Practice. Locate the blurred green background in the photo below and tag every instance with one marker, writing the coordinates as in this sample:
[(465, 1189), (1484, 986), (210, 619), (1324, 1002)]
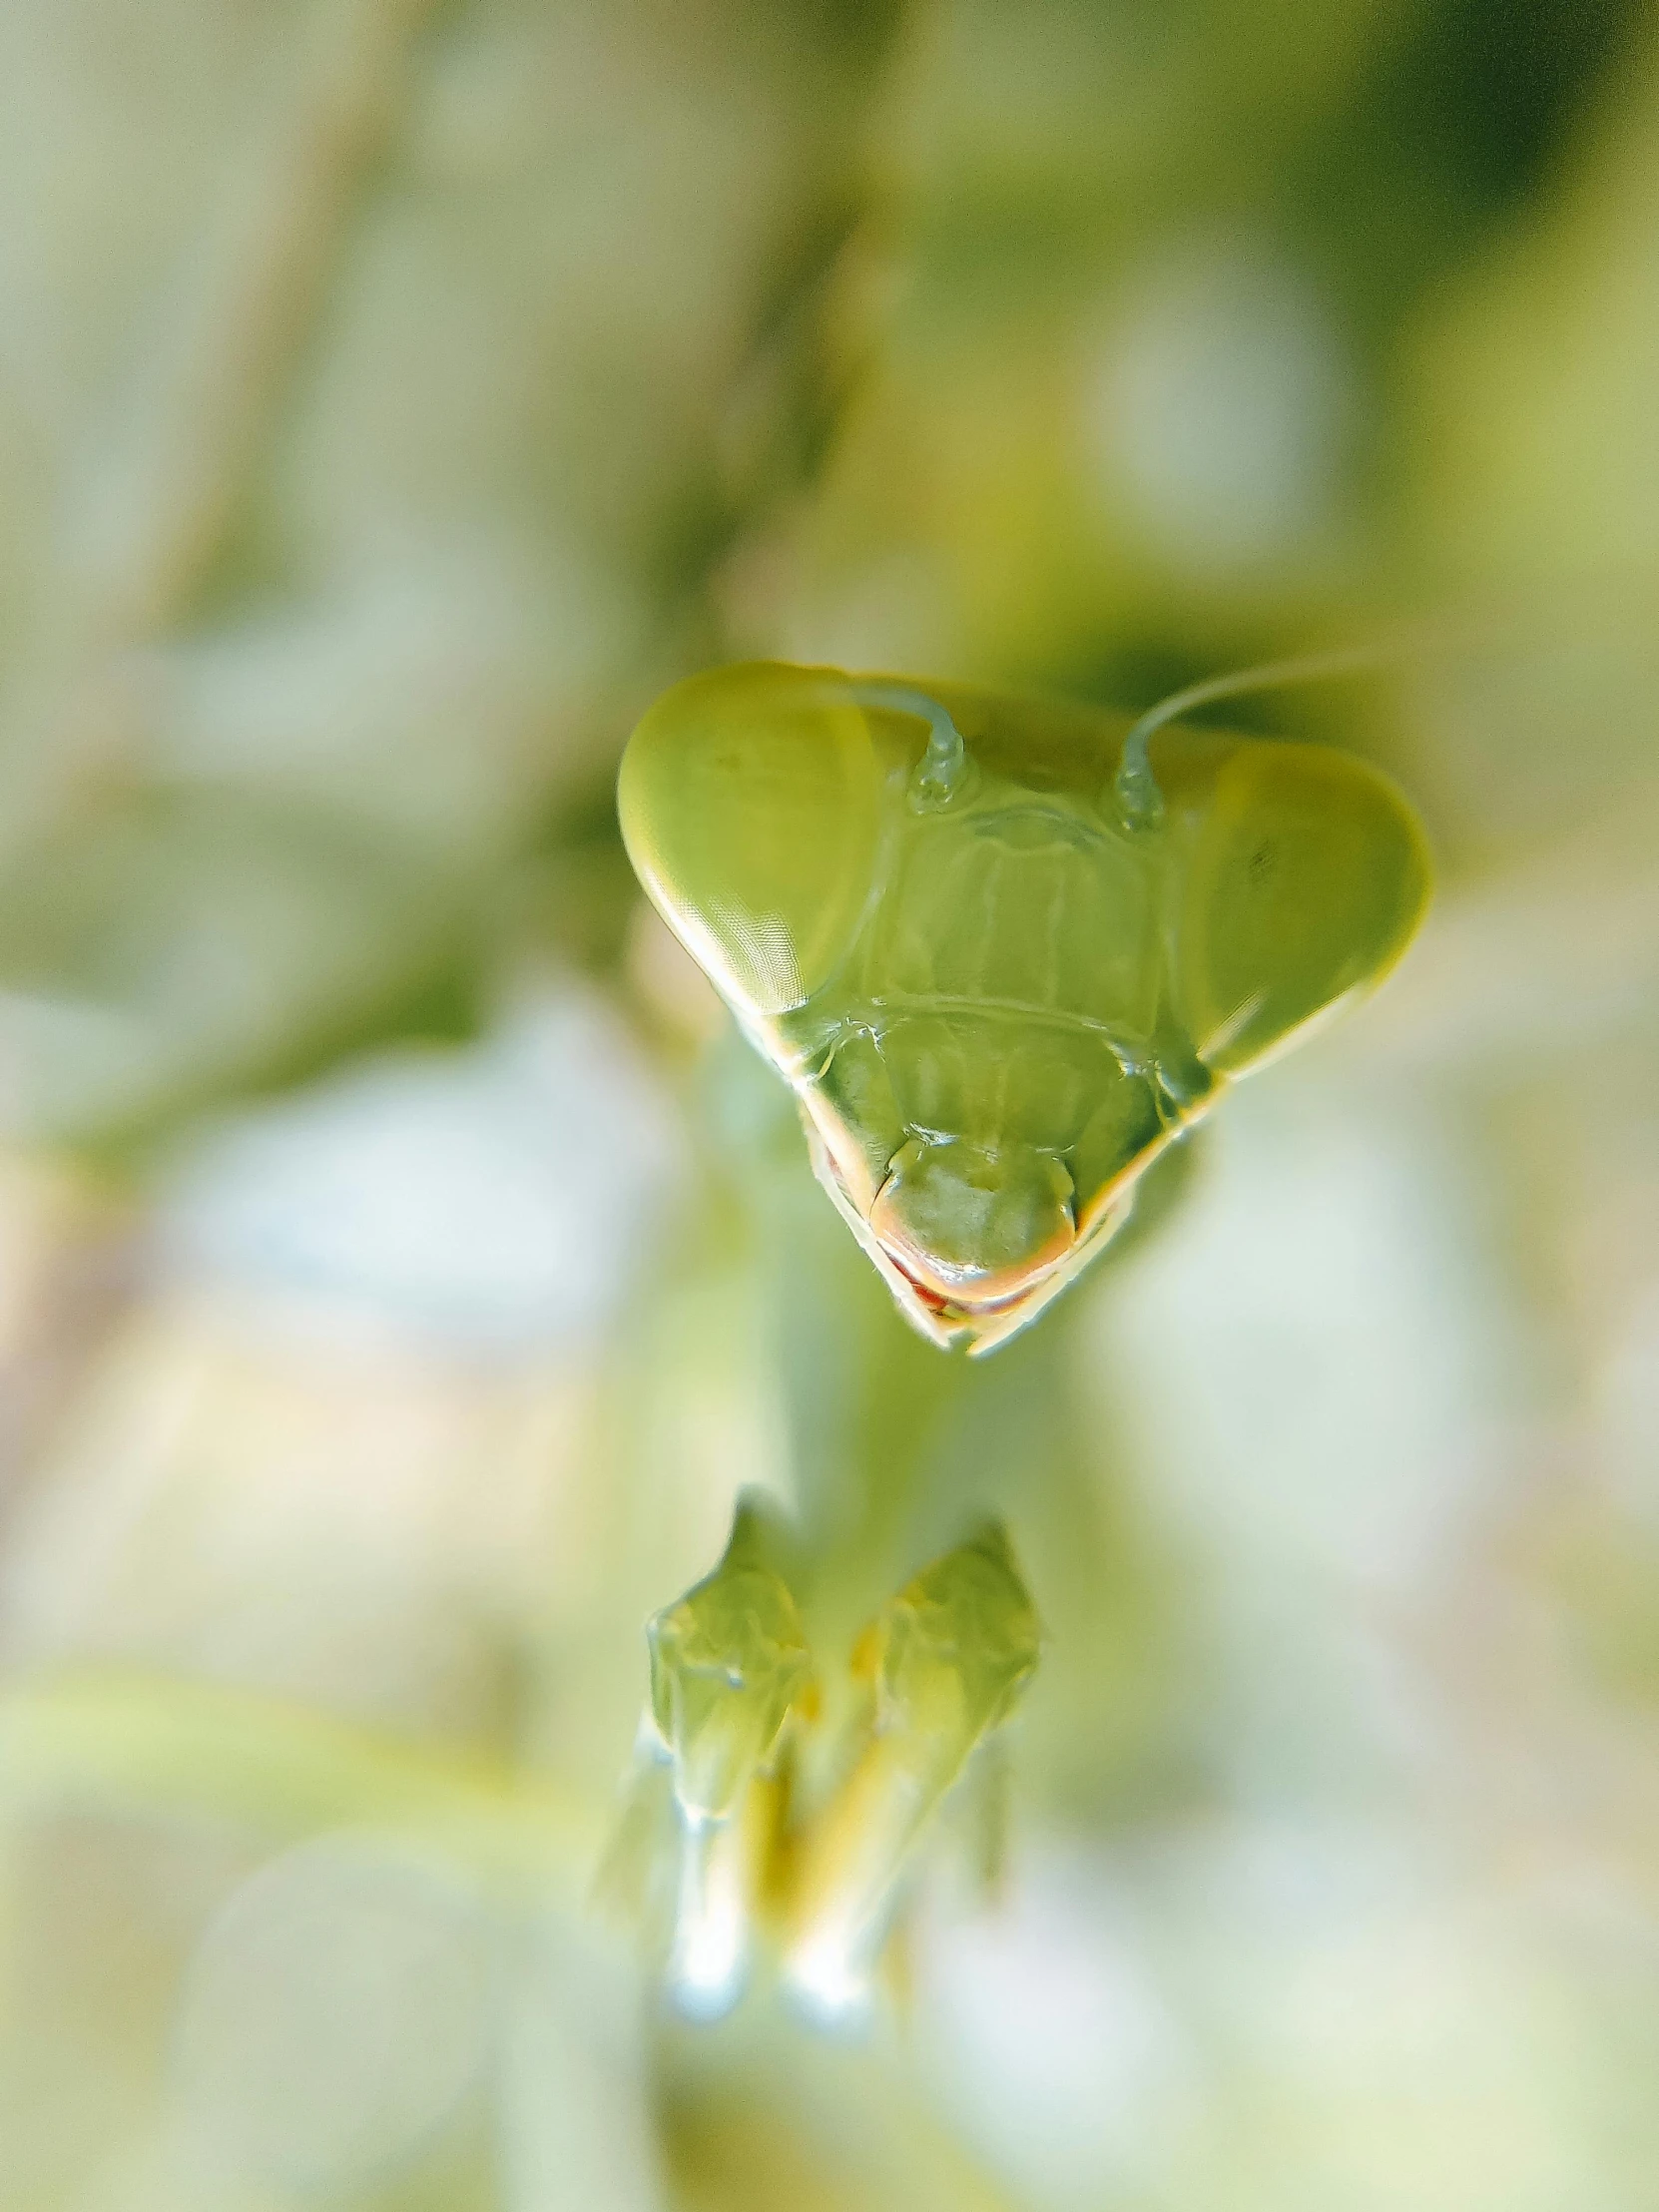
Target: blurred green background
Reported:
[(401, 1269)]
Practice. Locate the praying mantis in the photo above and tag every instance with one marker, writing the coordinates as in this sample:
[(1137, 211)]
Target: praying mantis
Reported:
[(1005, 951)]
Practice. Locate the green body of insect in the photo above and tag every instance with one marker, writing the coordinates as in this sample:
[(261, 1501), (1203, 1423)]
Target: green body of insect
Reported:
[(1003, 957), (948, 1659), (728, 1664)]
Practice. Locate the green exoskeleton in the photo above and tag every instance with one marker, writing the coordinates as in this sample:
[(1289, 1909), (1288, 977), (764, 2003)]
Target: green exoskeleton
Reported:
[(729, 1673), (948, 1659), (728, 1665), (1005, 951), (732, 1695)]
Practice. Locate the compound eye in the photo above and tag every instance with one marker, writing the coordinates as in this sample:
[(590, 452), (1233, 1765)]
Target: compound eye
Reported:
[(749, 801), (1306, 881)]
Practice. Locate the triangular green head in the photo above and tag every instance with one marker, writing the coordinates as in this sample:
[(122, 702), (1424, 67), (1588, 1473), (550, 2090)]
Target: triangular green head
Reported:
[(998, 990)]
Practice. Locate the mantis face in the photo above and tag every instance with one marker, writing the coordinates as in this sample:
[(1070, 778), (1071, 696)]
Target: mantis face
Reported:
[(999, 972)]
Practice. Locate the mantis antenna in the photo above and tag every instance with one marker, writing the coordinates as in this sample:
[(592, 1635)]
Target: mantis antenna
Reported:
[(1135, 789), (943, 768), (941, 771)]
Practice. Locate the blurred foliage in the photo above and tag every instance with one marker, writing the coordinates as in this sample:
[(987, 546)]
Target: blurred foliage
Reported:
[(401, 1271)]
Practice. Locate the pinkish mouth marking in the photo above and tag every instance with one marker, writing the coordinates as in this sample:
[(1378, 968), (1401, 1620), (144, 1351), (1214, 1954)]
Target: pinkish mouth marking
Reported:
[(927, 1294), (968, 1308)]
